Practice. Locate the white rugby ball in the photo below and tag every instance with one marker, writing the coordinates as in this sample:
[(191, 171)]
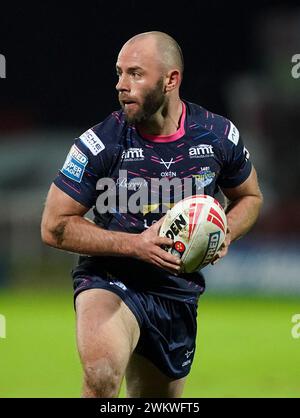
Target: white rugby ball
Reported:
[(197, 225)]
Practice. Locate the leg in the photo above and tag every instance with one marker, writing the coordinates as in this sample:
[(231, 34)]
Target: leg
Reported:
[(107, 333), (144, 380)]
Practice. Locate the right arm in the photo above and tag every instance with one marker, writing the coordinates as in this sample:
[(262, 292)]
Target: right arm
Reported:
[(64, 227)]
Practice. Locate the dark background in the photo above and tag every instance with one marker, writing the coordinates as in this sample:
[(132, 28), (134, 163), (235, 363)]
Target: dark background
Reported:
[(61, 55)]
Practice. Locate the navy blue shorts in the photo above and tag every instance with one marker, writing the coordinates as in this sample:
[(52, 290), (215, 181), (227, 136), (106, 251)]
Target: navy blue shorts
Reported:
[(167, 327)]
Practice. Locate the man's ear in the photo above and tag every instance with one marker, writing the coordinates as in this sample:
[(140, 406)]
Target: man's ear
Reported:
[(173, 80)]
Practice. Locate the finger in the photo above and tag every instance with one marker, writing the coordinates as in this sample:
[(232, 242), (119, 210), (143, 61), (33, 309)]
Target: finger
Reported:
[(222, 246), (164, 241), (215, 261), (228, 236), (220, 254), (167, 257), (216, 257), (166, 266), (156, 226), (223, 251)]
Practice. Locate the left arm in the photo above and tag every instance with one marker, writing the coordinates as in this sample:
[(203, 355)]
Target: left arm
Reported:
[(242, 211)]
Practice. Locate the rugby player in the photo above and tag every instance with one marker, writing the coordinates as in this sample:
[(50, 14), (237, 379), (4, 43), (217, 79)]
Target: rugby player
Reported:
[(136, 311)]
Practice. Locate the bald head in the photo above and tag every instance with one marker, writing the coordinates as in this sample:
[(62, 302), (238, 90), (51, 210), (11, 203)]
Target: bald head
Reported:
[(149, 69), (165, 48)]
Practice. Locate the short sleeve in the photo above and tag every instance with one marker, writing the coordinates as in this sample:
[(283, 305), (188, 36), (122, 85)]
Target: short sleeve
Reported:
[(88, 160), (236, 165)]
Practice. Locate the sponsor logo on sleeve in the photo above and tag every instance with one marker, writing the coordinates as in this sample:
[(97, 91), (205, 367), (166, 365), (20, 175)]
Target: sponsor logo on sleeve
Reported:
[(75, 164), (246, 153), (118, 283), (233, 134), (92, 142)]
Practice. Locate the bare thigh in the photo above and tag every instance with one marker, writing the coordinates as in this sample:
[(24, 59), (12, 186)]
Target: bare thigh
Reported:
[(107, 333), (144, 380)]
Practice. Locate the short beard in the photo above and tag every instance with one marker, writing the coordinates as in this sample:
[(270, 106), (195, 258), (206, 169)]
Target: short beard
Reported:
[(153, 101)]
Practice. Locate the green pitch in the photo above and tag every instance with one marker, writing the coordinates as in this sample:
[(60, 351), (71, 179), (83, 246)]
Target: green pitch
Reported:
[(244, 347)]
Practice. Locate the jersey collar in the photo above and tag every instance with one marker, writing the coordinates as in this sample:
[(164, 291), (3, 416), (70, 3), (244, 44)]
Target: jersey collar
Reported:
[(172, 137)]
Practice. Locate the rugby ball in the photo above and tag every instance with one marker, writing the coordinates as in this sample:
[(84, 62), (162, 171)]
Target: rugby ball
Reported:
[(197, 225)]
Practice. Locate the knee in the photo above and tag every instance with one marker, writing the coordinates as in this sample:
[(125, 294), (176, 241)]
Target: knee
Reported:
[(102, 379)]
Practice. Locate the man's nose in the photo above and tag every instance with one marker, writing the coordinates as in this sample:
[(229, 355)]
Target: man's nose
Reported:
[(123, 84)]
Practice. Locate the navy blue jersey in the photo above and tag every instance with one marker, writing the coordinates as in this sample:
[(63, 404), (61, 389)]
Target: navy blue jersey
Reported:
[(207, 149)]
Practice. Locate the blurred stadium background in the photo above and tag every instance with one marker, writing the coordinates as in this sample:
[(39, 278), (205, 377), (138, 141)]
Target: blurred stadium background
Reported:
[(59, 81)]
